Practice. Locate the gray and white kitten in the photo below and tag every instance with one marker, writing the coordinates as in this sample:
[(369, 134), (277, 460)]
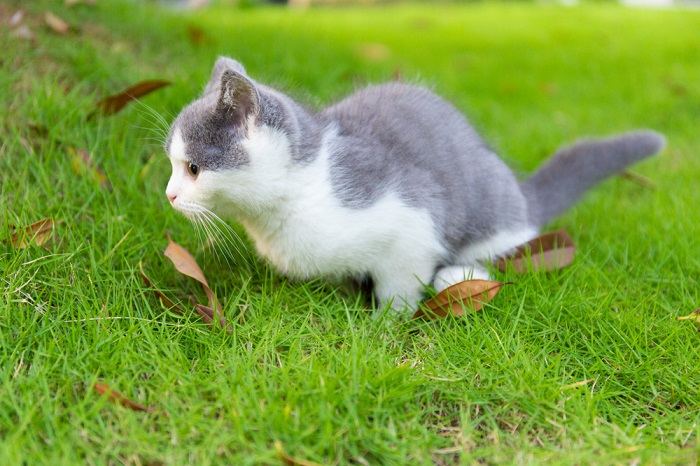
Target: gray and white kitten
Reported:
[(391, 183)]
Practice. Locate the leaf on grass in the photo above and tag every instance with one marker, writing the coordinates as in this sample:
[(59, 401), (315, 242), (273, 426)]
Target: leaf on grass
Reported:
[(290, 460), (551, 251), (373, 52), (641, 180), (207, 314), (82, 164), (452, 300), (117, 398), (196, 35), (114, 103), (167, 302), (187, 265), (56, 24), (694, 317), (37, 233)]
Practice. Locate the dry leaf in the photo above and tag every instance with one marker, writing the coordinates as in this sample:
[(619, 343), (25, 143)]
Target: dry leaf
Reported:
[(117, 398), (694, 317), (167, 302), (37, 233), (373, 52), (82, 163), (641, 180), (290, 460), (551, 251), (187, 265), (56, 24), (452, 300), (196, 35), (207, 314), (114, 103)]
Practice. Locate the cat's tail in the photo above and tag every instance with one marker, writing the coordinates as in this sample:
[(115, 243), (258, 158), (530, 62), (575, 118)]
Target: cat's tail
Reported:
[(565, 177)]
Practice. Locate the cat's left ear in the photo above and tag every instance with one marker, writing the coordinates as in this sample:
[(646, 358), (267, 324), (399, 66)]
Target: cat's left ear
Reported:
[(239, 99)]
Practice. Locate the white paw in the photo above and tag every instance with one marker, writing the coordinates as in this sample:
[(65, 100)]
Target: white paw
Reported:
[(448, 276)]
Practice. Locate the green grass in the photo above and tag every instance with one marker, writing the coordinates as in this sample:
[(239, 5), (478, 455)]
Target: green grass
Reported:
[(306, 365)]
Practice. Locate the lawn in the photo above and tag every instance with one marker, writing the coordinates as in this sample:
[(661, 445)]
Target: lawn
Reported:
[(585, 365)]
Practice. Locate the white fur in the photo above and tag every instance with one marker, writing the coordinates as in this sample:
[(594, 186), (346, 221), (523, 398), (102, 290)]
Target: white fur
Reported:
[(496, 246)]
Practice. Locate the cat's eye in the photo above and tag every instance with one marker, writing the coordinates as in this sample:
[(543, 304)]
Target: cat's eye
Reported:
[(192, 169)]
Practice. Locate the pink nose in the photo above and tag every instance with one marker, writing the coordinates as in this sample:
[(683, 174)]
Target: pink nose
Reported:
[(171, 197)]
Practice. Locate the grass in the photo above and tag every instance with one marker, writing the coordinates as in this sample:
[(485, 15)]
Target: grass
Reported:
[(306, 365)]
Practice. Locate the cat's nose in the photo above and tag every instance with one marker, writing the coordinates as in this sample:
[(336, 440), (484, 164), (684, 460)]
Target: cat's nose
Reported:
[(171, 197)]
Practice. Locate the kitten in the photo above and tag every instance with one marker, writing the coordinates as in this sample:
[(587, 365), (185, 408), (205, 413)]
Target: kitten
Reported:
[(391, 183)]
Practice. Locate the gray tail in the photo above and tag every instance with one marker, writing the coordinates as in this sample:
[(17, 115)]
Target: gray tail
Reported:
[(564, 178)]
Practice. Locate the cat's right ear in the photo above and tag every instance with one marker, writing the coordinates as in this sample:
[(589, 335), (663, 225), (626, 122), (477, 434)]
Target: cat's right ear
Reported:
[(222, 65)]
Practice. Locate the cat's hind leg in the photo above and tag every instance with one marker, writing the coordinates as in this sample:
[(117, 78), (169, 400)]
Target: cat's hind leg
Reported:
[(452, 274)]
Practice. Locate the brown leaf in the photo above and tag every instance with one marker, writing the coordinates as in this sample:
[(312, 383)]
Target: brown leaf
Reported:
[(290, 460), (37, 233), (694, 317), (452, 300), (56, 24), (373, 52), (186, 264), (196, 35), (207, 314), (641, 180), (114, 103), (82, 164), (551, 251), (167, 302), (117, 398)]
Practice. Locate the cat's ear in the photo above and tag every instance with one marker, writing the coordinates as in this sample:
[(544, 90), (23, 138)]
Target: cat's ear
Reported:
[(222, 65), (238, 98)]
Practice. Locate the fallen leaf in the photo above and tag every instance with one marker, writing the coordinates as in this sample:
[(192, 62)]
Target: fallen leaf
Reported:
[(117, 398), (290, 460), (37, 233), (694, 317), (373, 52), (641, 180), (196, 35), (551, 251), (452, 300), (207, 314), (56, 24), (167, 302), (114, 103), (82, 163), (187, 265)]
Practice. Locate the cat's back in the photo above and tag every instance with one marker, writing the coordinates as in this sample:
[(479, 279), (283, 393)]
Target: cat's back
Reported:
[(391, 109)]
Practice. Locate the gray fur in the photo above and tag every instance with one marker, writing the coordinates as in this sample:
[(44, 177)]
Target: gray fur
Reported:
[(563, 179), (405, 139)]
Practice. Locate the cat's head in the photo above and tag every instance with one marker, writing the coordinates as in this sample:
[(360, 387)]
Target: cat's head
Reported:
[(228, 148)]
